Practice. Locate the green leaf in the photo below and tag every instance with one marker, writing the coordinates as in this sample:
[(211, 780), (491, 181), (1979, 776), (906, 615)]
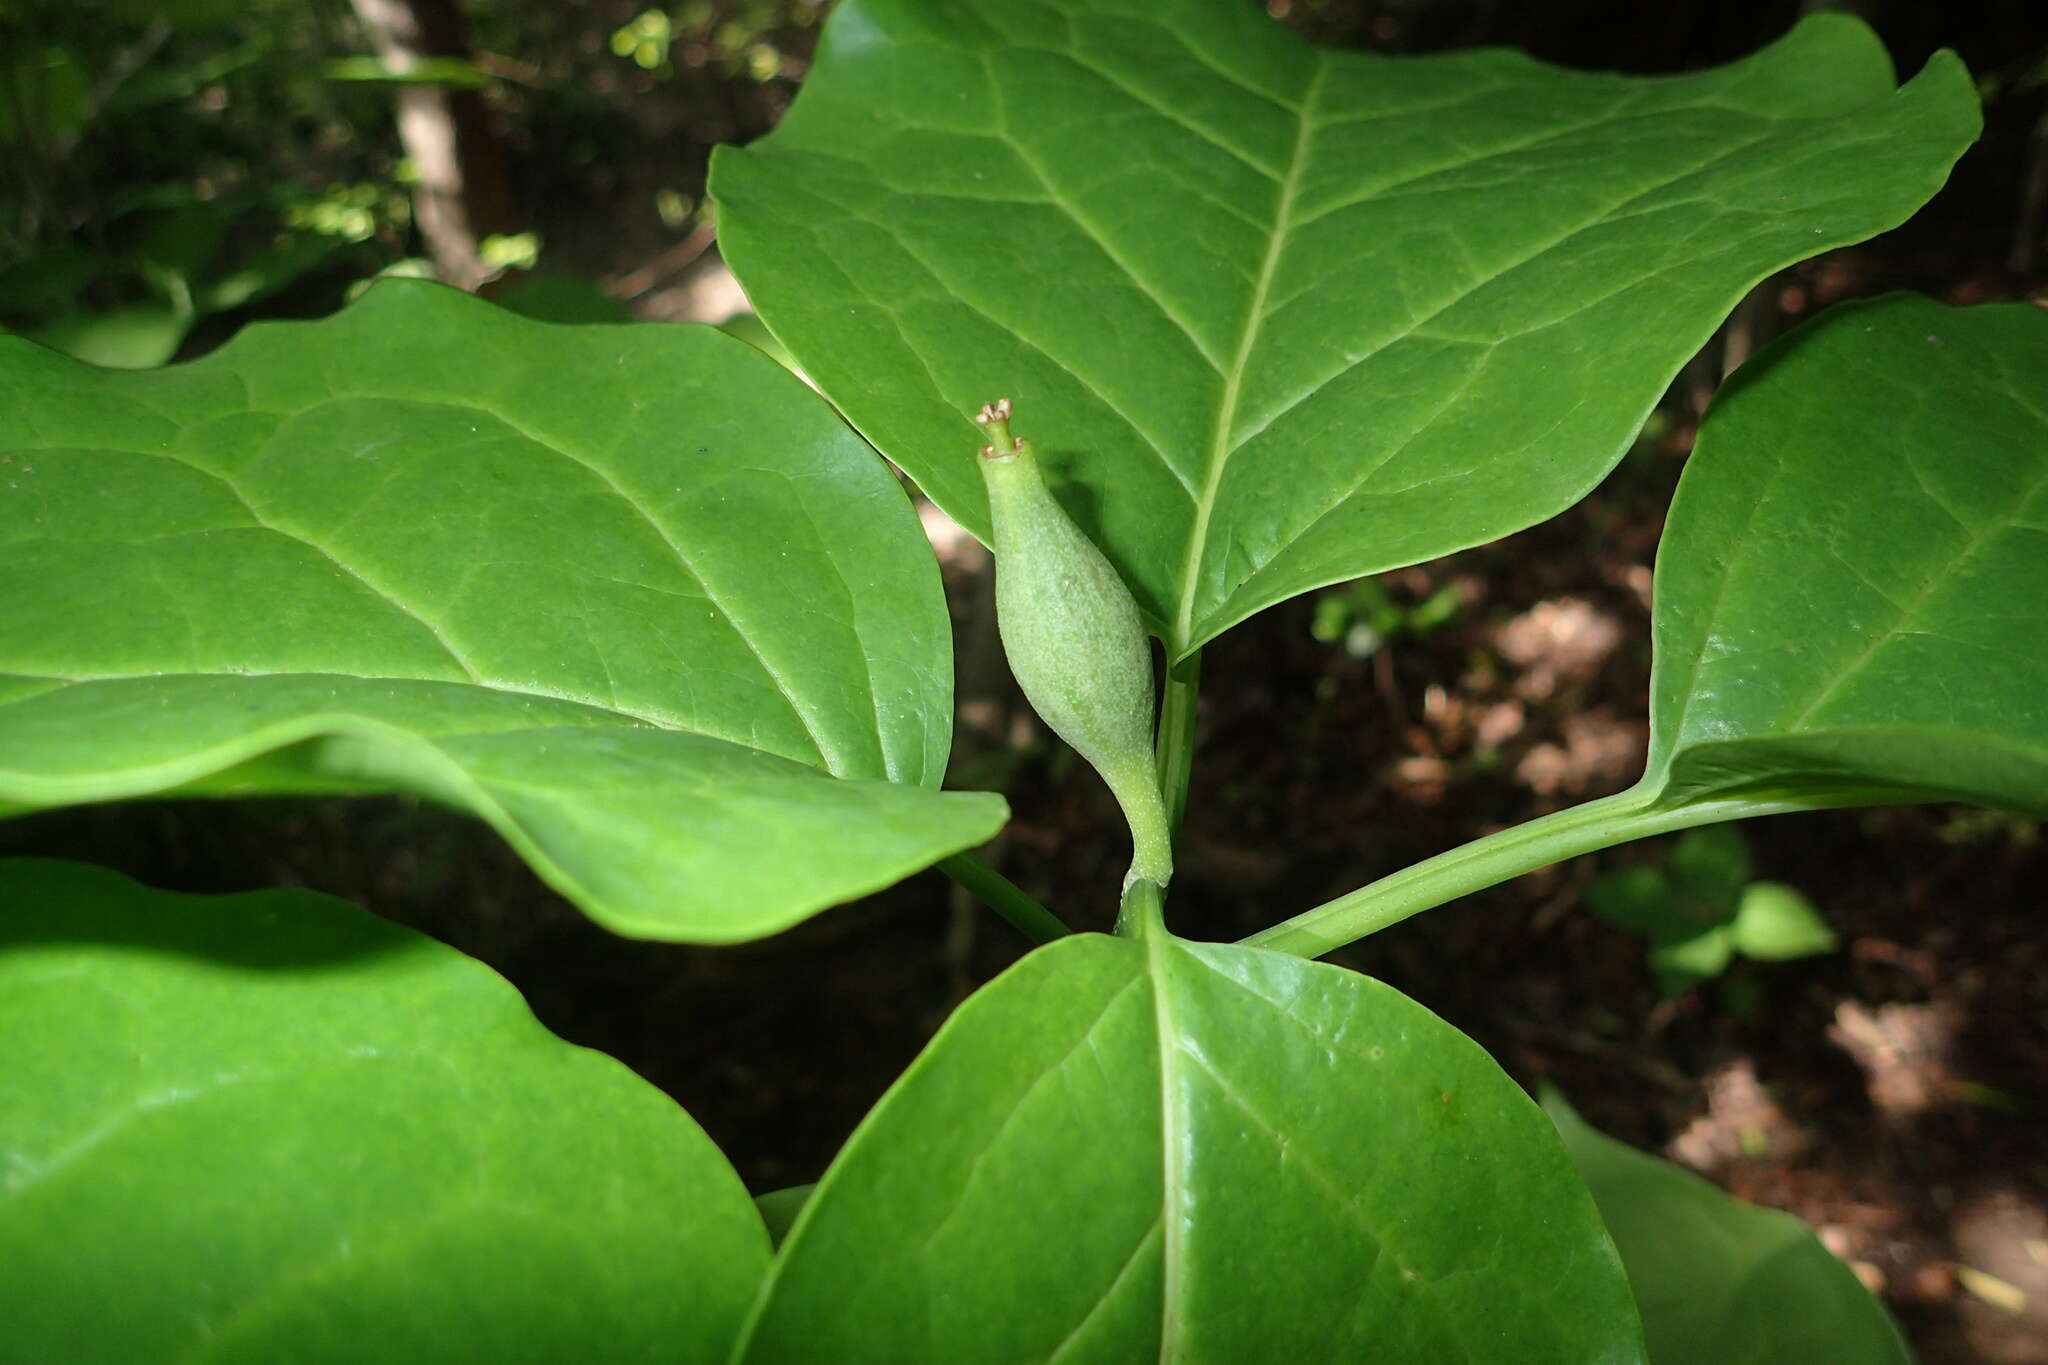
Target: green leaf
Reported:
[(1721, 1282), (1849, 603), (750, 329), (561, 298), (1637, 898), (1682, 963), (183, 240), (1126, 1150), (779, 1208), (1776, 924), (631, 594), (1850, 590), (138, 337), (1281, 317), (1689, 935), (452, 72), (289, 258), (1709, 868), (270, 1127)]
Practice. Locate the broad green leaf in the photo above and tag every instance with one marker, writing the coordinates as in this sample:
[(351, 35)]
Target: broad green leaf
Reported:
[(1776, 923), (1852, 592), (1851, 605), (270, 1127), (631, 594), (1279, 316), (1721, 1282), (1161, 1150)]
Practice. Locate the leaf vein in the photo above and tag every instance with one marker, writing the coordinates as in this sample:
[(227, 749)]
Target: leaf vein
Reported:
[(1233, 379), (1146, 290)]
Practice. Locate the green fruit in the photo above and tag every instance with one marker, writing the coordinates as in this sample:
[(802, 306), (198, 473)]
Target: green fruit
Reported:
[(1075, 639)]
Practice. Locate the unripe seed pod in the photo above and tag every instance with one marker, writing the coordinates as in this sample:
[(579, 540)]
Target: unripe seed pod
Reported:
[(1075, 639)]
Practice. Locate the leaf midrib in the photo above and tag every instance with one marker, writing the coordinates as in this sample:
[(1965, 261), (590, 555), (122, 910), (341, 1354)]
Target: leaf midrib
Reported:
[(1220, 447), (1173, 1140)]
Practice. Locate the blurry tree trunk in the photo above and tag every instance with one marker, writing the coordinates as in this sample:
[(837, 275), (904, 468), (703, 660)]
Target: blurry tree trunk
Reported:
[(463, 194)]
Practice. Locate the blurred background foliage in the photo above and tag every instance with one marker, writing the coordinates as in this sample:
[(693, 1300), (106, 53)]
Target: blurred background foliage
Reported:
[(167, 164), (172, 168)]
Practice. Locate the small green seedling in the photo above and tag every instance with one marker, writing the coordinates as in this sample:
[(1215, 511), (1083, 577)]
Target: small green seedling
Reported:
[(1700, 910), (1365, 617)]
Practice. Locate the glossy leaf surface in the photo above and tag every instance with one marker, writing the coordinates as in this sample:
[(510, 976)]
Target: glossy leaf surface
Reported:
[(271, 1127), (1852, 592), (1278, 316), (1721, 1282), (1851, 603), (632, 594), (1185, 1152)]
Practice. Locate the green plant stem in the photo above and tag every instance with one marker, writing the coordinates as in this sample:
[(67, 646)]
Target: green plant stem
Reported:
[(1142, 912), (1494, 859), (1176, 745), (1003, 896)]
